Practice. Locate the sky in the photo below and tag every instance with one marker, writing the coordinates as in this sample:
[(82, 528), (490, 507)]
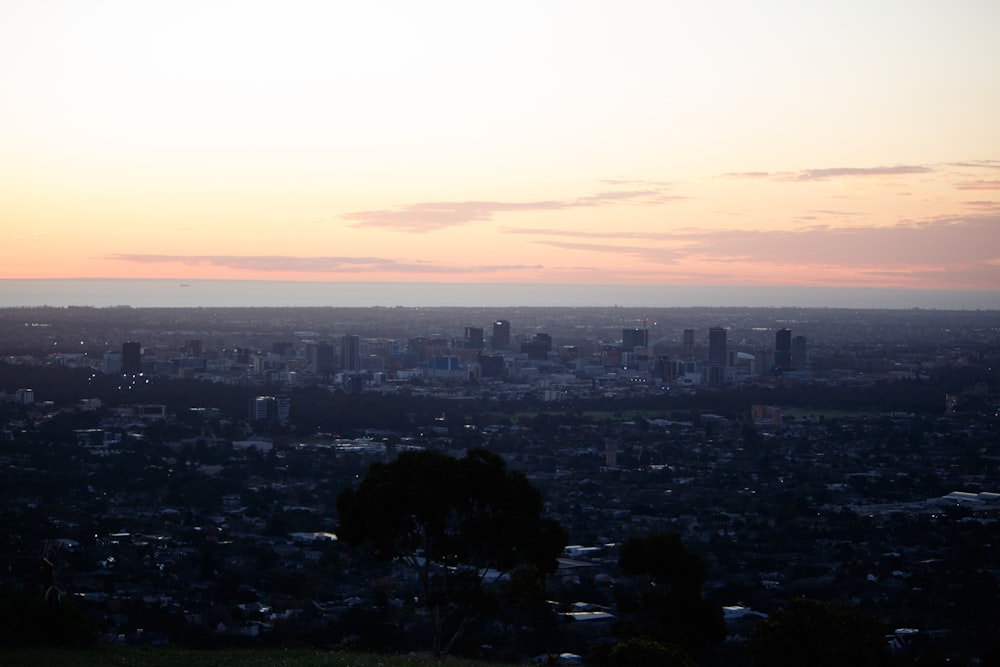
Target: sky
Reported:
[(628, 143)]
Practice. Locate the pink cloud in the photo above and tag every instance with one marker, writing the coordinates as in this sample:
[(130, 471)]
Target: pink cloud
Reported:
[(334, 265), (432, 216), (978, 185), (828, 173), (854, 172), (948, 249)]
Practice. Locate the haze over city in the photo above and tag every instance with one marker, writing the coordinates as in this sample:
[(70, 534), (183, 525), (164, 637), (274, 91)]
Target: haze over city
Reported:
[(637, 146)]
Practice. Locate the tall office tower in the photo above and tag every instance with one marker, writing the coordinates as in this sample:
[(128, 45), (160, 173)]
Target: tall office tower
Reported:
[(350, 353), (715, 372), (782, 349), (800, 358), (501, 335), (633, 338), (261, 408), (473, 338), (111, 364), (689, 345), (538, 347), (192, 348), (270, 409), (319, 357), (668, 369), (717, 346), (491, 365), (132, 357)]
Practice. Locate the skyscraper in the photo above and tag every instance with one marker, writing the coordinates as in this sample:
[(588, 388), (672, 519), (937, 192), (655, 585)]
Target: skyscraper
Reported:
[(782, 349), (350, 353), (320, 357), (501, 335), (491, 365), (270, 409), (717, 346), (473, 338), (689, 345), (538, 347), (132, 357), (633, 338), (800, 357), (716, 369), (192, 348)]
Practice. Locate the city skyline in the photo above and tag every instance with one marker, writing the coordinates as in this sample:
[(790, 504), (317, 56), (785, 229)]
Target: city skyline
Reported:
[(640, 145)]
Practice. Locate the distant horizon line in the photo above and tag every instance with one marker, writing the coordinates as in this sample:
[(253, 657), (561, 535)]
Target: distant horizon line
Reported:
[(243, 292)]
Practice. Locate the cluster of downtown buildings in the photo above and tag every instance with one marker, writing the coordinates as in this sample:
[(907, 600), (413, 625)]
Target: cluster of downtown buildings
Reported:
[(354, 363), (175, 525), (554, 372)]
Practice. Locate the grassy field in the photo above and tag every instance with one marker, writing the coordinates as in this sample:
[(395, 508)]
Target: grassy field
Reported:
[(118, 657)]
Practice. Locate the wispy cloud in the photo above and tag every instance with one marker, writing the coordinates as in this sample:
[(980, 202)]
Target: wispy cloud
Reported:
[(834, 212), (983, 205), (951, 249), (749, 175), (542, 231), (330, 265), (855, 172), (988, 164), (978, 185), (432, 216), (629, 181), (828, 173)]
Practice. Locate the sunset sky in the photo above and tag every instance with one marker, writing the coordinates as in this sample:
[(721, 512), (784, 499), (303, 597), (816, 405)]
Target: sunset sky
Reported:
[(846, 144)]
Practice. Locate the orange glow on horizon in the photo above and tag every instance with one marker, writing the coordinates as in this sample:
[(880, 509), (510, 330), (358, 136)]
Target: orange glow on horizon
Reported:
[(457, 143)]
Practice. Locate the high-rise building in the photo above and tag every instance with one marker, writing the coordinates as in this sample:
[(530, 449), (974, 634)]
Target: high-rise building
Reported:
[(350, 353), (800, 356), (111, 364), (668, 369), (715, 371), (689, 345), (717, 346), (538, 347), (633, 338), (491, 365), (473, 338), (501, 335), (319, 357), (782, 349), (131, 357), (273, 409)]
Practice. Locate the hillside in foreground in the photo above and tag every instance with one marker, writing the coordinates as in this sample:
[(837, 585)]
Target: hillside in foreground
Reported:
[(114, 657)]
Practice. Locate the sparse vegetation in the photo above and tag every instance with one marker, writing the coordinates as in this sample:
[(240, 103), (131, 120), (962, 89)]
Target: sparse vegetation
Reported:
[(110, 657)]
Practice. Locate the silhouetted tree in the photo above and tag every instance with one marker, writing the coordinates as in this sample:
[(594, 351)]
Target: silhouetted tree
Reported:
[(640, 652), (667, 605), (457, 522), (807, 632)]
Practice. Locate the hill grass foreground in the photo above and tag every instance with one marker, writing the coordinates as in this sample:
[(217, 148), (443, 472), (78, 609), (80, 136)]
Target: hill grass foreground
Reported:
[(168, 657)]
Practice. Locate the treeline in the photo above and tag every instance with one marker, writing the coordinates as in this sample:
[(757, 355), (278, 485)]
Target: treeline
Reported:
[(317, 409)]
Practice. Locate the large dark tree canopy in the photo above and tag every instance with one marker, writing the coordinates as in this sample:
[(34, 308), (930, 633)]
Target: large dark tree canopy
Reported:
[(808, 632), (458, 522), (471, 511), (668, 607), (665, 560)]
